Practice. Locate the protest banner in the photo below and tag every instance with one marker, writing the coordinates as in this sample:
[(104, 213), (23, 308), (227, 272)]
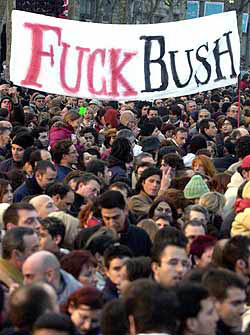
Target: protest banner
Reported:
[(131, 62)]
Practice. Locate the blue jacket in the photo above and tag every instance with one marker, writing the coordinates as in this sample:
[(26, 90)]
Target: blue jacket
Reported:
[(62, 172), (29, 187)]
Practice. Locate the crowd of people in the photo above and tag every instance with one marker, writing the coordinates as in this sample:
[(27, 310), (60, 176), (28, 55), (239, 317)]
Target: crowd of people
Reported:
[(125, 218)]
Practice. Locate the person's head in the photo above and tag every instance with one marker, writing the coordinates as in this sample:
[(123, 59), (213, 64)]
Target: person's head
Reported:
[(45, 173), (4, 136), (236, 256), (41, 136), (88, 155), (42, 266), (228, 290), (242, 147), (149, 182), (44, 205), (52, 234), (201, 250), (220, 181), (18, 244), (28, 303), (122, 187), (114, 258), (54, 324), (88, 186), (73, 119), (114, 319), (113, 210), (196, 212), (84, 307), (213, 201), (160, 206), (192, 229), (39, 101), (208, 127), (197, 312), (174, 113), (226, 125), (64, 153), (20, 142), (169, 257), (6, 194), (217, 259), (152, 112), (82, 265), (195, 188), (180, 136), (203, 114), (121, 149), (204, 165), (72, 178), (191, 106), (21, 214), (172, 160), (149, 226), (232, 112), (90, 135), (151, 308), (99, 168), (62, 195)]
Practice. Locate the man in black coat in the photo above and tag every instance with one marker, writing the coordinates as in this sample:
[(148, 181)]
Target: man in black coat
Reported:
[(114, 214)]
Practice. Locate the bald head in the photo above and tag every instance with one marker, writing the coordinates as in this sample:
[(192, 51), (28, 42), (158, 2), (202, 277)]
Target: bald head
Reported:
[(42, 266), (44, 205)]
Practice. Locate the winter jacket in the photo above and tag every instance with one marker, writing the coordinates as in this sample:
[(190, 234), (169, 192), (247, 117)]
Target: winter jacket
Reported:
[(232, 190), (110, 291), (133, 237), (9, 164), (62, 172), (29, 187), (118, 170), (69, 285), (241, 224), (140, 204)]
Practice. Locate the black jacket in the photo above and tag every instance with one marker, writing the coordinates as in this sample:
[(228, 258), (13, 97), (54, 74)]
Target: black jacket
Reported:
[(223, 329), (29, 187), (110, 291), (134, 237)]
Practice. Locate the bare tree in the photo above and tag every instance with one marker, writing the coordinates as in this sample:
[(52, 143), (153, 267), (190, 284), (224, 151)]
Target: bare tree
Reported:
[(172, 6), (240, 6)]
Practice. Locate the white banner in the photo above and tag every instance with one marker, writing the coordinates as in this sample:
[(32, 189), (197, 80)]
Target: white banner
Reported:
[(124, 62)]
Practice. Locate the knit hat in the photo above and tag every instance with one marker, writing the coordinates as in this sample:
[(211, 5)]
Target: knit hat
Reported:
[(39, 96), (24, 140), (95, 102), (195, 188), (150, 143)]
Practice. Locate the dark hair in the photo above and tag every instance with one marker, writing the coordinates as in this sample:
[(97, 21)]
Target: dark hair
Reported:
[(75, 260), (174, 161), (154, 308), (122, 150), (35, 156), (27, 303), (55, 321), (95, 166), (138, 267), (242, 147), (3, 187), (13, 239), (190, 294), (238, 247), (204, 124), (86, 178), (59, 149), (151, 171), (90, 130), (43, 166), (57, 188), (157, 201), (219, 281), (112, 199), (55, 227), (116, 251), (167, 236), (196, 143), (114, 319), (11, 213)]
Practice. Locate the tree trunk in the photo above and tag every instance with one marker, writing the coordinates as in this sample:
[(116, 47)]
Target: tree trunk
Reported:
[(72, 9), (183, 9)]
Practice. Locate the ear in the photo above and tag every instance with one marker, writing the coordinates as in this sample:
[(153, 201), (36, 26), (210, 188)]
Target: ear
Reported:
[(10, 226), (56, 198), (100, 175), (191, 325), (71, 308), (196, 260), (155, 267), (51, 275), (132, 328), (240, 266), (57, 239)]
